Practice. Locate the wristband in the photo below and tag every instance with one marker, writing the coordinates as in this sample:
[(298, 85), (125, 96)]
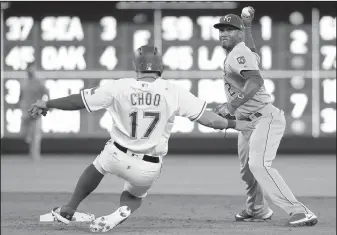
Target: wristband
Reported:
[(231, 124)]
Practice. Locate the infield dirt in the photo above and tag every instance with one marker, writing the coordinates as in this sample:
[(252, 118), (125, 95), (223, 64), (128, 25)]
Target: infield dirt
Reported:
[(193, 196), (160, 214)]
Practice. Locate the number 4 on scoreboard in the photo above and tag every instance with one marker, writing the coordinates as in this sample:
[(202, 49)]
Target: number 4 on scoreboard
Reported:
[(108, 58)]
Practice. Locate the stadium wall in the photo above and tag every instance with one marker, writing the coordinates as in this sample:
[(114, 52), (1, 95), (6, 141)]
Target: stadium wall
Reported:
[(289, 145)]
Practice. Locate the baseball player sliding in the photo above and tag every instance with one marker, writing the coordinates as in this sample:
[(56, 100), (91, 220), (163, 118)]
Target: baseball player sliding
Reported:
[(249, 100), (143, 111)]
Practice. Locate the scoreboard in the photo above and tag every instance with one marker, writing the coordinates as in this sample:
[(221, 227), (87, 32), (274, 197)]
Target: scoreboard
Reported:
[(75, 48)]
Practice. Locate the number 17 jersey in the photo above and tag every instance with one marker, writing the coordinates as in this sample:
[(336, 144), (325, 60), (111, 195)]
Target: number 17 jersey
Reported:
[(143, 113)]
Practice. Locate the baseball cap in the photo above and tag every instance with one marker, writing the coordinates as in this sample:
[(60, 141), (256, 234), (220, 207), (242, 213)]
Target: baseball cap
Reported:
[(230, 19)]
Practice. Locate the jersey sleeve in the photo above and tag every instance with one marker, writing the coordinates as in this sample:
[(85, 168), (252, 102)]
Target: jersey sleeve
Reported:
[(257, 57), (244, 60), (99, 97), (190, 106)]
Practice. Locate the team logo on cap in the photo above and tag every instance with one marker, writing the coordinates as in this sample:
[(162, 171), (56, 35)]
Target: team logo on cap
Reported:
[(149, 66), (228, 18)]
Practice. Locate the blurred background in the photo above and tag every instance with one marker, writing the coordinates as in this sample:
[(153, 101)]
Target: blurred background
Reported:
[(76, 45)]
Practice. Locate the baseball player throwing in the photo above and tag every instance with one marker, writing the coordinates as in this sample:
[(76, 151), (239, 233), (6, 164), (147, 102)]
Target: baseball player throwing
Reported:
[(143, 111), (249, 100)]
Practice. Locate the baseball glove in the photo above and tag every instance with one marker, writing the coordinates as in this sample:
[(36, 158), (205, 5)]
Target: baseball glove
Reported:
[(222, 110)]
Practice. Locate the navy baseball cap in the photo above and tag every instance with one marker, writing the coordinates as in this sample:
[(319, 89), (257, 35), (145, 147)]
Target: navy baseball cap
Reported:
[(230, 19)]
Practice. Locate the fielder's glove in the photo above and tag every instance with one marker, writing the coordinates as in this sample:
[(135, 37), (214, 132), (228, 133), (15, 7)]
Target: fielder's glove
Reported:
[(247, 21), (223, 111)]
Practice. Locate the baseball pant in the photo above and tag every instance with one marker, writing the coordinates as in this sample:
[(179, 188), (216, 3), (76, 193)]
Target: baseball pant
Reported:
[(257, 149), (139, 175)]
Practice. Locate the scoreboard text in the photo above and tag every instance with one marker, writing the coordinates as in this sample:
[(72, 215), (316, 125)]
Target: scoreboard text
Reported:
[(72, 52)]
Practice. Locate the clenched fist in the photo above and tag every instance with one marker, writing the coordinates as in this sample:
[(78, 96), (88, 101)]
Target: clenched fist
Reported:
[(248, 19)]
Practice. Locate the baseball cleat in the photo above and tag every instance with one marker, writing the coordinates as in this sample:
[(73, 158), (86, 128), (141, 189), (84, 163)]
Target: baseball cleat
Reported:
[(108, 222), (245, 217), (303, 219), (67, 217), (64, 217)]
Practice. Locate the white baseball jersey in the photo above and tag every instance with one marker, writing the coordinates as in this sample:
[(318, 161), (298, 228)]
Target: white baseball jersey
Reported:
[(143, 112), (239, 59)]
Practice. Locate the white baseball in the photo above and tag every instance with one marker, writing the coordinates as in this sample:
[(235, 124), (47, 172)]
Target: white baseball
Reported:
[(245, 12)]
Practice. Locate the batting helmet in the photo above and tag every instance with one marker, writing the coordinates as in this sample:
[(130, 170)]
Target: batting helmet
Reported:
[(148, 59)]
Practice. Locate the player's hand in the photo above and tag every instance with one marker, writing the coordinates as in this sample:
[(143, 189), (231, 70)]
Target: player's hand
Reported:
[(244, 125), (38, 108), (34, 112), (247, 20), (223, 110)]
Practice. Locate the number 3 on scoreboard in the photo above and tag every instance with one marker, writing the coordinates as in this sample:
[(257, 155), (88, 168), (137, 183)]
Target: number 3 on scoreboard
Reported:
[(134, 123)]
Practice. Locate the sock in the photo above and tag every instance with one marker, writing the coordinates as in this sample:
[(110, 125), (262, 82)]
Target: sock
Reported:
[(131, 201), (87, 183)]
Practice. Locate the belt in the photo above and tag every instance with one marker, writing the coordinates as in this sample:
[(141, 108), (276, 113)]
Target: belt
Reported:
[(254, 116), (146, 158)]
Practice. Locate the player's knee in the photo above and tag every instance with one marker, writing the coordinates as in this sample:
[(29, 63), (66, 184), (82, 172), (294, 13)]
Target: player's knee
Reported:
[(99, 167), (247, 175)]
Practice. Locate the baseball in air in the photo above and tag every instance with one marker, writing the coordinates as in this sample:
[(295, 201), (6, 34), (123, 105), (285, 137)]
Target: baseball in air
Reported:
[(245, 12)]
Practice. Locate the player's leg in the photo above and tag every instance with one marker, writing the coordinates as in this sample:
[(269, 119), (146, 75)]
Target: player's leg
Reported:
[(264, 143), (256, 205), (30, 138), (130, 200), (35, 143), (87, 183), (139, 176), (25, 127)]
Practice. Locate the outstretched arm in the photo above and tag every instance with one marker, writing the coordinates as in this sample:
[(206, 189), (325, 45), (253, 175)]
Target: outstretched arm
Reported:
[(92, 99), (71, 102), (210, 119)]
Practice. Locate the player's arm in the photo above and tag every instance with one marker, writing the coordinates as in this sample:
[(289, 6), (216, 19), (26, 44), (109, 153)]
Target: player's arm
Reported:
[(249, 41), (245, 64), (41, 107), (92, 99), (193, 108), (71, 102), (247, 22), (253, 83), (210, 119)]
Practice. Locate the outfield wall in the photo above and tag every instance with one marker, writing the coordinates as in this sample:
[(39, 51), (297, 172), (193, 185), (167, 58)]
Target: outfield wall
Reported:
[(289, 145)]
